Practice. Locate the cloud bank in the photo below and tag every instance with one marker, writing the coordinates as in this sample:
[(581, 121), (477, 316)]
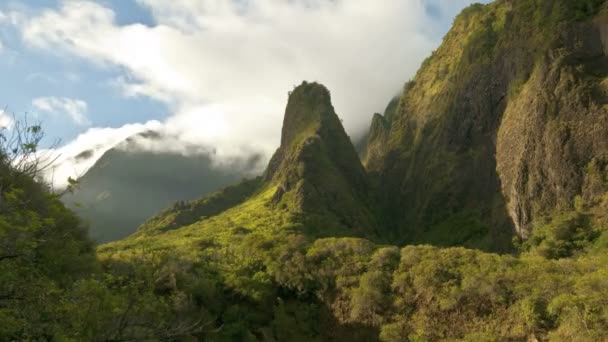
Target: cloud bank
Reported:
[(224, 67)]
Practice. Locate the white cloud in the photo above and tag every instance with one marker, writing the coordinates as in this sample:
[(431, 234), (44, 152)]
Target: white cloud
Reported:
[(225, 67), (75, 109), (6, 120), (75, 158)]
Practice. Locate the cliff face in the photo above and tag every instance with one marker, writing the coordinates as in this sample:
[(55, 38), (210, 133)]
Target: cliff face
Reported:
[(552, 142), (500, 126)]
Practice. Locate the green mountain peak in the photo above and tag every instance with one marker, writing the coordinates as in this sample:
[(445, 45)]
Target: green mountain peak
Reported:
[(309, 106), (316, 169)]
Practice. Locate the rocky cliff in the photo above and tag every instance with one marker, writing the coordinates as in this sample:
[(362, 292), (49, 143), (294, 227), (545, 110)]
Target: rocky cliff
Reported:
[(502, 125)]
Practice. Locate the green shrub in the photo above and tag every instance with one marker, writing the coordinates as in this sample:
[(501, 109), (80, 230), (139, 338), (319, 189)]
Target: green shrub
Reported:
[(563, 236)]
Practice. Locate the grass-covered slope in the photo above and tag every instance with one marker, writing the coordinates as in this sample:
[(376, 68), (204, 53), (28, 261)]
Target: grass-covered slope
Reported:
[(499, 126), (184, 213)]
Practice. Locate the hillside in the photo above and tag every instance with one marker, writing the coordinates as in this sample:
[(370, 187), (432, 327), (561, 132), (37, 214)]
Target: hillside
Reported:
[(128, 185), (476, 211)]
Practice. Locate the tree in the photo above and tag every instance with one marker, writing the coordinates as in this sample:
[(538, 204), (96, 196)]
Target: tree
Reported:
[(43, 246)]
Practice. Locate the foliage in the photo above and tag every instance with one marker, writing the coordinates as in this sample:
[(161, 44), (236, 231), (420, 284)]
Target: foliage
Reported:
[(562, 236), (277, 283), (284, 258), (43, 246)]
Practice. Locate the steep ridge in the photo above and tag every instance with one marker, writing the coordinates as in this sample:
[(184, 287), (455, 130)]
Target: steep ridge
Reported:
[(377, 136), (498, 126)]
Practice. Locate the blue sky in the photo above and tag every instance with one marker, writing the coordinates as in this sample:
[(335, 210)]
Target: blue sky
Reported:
[(28, 74), (210, 73)]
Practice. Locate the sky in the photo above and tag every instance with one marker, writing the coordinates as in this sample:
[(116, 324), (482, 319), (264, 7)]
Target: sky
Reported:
[(212, 74)]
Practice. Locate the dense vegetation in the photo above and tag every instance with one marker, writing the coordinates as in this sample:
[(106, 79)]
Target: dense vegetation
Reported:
[(43, 247), (263, 284), (308, 252)]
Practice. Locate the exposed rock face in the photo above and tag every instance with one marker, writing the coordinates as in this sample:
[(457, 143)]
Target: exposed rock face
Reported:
[(316, 168), (553, 139), (497, 128)]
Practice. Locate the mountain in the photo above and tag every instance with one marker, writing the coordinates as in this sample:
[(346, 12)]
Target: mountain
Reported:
[(496, 145), (127, 185), (477, 213), (501, 127), (315, 175)]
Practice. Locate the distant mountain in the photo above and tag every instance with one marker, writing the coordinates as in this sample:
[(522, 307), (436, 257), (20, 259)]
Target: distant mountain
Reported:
[(126, 186)]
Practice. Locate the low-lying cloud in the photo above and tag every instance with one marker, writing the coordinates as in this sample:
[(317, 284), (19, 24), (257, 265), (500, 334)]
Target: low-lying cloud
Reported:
[(76, 157)]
